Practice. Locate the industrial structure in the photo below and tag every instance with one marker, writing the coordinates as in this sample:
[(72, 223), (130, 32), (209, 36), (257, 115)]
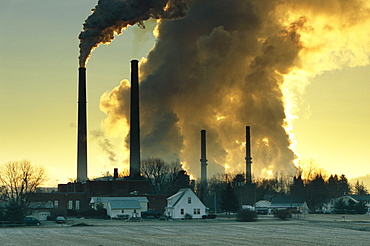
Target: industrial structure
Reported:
[(203, 159), (82, 127), (134, 122), (248, 158)]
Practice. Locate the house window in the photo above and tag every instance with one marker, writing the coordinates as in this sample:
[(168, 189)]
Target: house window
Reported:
[(122, 211), (196, 211), (70, 204), (189, 200), (77, 204), (182, 211), (56, 204)]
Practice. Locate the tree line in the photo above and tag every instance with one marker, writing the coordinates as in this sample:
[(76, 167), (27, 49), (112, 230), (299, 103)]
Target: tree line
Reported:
[(19, 180)]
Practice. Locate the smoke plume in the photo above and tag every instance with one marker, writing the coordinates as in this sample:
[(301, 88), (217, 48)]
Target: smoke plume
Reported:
[(109, 17), (105, 144), (233, 63)]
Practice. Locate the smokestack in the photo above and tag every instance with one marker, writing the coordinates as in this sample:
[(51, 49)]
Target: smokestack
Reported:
[(203, 159), (81, 130), (248, 156), (134, 122), (115, 174)]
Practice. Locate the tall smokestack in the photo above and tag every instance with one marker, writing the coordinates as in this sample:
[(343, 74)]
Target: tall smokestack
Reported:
[(248, 156), (203, 159), (81, 131), (134, 122)]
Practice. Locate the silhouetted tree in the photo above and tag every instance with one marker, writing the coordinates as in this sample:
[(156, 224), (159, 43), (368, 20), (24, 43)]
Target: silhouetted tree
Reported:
[(229, 200), (298, 189), (163, 177), (181, 180), (317, 192), (344, 187), (340, 207), (361, 207), (19, 180), (215, 187), (360, 189)]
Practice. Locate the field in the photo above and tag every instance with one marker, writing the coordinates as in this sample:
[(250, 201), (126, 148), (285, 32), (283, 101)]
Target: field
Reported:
[(323, 229)]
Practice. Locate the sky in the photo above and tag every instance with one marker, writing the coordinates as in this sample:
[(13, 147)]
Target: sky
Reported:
[(38, 88)]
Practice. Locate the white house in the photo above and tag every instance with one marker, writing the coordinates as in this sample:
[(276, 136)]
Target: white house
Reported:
[(121, 207), (329, 207), (185, 203)]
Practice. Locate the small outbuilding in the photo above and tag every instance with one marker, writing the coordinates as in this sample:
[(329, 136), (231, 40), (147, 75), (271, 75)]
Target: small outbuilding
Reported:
[(124, 209), (294, 203), (121, 207), (185, 204), (262, 206)]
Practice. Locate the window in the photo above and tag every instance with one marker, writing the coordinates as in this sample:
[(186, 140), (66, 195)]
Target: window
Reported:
[(182, 211), (196, 211), (122, 211), (70, 204), (77, 204), (189, 200), (56, 204)]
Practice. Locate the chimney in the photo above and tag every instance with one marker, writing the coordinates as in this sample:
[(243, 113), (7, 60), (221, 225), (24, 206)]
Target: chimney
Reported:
[(134, 122), (81, 130), (115, 174), (203, 159), (248, 156)]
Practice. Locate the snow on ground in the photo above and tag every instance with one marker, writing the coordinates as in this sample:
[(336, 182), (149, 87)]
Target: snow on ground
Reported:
[(307, 230)]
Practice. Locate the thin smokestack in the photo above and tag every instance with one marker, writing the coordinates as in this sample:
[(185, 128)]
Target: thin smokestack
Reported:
[(115, 174), (203, 159), (134, 122), (248, 156), (82, 129)]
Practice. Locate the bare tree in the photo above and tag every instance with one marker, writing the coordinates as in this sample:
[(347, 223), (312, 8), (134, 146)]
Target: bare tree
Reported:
[(161, 175), (19, 180)]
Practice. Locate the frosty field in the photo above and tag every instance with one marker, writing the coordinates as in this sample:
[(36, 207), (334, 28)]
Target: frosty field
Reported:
[(307, 230)]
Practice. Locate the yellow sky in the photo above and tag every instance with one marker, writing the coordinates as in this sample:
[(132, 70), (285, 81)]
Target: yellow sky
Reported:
[(38, 94)]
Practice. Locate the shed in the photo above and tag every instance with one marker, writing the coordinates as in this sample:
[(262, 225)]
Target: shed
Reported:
[(124, 209)]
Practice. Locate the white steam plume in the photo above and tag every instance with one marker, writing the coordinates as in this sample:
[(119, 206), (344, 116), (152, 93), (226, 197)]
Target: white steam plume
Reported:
[(233, 63), (109, 17)]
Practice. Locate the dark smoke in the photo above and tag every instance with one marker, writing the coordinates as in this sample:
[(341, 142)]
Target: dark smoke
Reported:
[(222, 68), (109, 17)]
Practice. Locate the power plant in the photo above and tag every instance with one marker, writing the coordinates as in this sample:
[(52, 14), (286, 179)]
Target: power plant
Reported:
[(135, 150)]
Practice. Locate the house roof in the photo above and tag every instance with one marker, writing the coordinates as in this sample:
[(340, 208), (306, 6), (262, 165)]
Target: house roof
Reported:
[(262, 204), (360, 197), (108, 199), (125, 204), (287, 201), (176, 197)]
